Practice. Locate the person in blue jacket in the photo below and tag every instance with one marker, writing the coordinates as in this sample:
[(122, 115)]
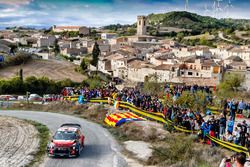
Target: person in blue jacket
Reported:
[(230, 125), (205, 129), (81, 99)]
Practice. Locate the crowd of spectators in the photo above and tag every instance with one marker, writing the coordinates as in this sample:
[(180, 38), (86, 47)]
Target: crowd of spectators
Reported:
[(222, 127), (173, 89), (130, 95)]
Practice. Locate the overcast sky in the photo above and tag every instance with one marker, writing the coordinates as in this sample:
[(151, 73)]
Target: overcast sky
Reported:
[(103, 12)]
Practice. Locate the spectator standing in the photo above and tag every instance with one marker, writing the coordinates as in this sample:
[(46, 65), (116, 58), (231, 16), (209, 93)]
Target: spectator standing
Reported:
[(229, 137), (222, 124), (241, 106), (243, 133), (236, 135), (230, 125), (212, 129), (233, 109), (248, 141)]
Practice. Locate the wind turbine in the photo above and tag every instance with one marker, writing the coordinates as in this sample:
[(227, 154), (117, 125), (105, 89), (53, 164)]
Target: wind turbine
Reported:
[(206, 11), (228, 7), (217, 8), (186, 5), (218, 5)]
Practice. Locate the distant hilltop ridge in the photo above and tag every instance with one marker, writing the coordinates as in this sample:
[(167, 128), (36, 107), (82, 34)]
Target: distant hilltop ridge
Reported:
[(187, 20)]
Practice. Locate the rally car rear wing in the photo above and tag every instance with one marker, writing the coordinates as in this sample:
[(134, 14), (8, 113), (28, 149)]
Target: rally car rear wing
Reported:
[(71, 125)]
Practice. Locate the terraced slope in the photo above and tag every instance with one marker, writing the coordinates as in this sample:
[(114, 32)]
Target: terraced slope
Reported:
[(53, 69)]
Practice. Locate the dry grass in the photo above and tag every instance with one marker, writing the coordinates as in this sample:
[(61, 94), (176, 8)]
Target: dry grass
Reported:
[(142, 130), (179, 150), (205, 36)]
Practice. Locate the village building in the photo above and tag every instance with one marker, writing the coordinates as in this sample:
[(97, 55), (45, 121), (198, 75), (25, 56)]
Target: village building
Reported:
[(73, 52), (224, 53), (138, 70), (65, 28), (107, 36), (46, 41), (182, 52), (85, 31), (104, 47), (238, 66)]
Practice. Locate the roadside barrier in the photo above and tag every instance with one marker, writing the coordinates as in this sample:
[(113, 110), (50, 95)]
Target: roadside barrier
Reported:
[(159, 117), (228, 145)]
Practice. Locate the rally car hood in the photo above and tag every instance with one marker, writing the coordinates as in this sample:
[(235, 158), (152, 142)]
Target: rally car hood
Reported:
[(63, 143)]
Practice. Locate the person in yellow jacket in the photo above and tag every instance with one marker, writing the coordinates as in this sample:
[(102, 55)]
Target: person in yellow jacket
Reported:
[(114, 95)]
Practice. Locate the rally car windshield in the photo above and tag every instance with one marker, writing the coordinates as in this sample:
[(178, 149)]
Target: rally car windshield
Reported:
[(60, 135)]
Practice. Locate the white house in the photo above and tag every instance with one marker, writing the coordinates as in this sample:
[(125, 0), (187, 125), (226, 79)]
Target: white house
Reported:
[(107, 36)]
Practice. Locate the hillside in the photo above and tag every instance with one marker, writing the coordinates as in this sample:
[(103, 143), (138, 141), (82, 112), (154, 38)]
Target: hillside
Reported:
[(181, 21), (192, 21), (53, 69), (186, 20)]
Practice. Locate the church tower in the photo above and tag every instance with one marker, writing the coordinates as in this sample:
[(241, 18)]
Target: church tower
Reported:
[(141, 25)]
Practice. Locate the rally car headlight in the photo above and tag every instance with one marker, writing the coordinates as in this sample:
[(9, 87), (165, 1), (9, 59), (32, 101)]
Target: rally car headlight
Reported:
[(74, 146), (51, 145)]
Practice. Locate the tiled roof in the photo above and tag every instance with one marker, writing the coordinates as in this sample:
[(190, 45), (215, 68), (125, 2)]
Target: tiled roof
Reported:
[(67, 27), (164, 67), (235, 63)]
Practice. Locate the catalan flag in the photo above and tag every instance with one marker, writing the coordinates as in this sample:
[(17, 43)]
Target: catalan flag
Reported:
[(117, 119)]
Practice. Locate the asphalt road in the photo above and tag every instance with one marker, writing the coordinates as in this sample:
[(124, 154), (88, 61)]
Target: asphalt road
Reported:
[(101, 150)]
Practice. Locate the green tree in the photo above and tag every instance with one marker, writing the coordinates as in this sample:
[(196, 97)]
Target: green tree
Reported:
[(131, 31), (231, 82), (56, 47), (15, 86), (180, 36), (95, 54), (21, 74), (195, 101), (94, 82), (151, 85), (34, 85), (229, 87), (203, 40), (83, 65)]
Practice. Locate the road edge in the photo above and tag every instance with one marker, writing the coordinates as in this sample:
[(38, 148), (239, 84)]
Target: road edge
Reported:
[(43, 135)]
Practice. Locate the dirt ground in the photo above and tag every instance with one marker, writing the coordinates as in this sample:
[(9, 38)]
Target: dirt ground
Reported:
[(18, 142), (53, 69), (240, 35)]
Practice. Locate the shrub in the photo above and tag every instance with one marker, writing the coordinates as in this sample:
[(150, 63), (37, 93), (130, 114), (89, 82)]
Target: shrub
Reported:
[(180, 150), (34, 85)]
